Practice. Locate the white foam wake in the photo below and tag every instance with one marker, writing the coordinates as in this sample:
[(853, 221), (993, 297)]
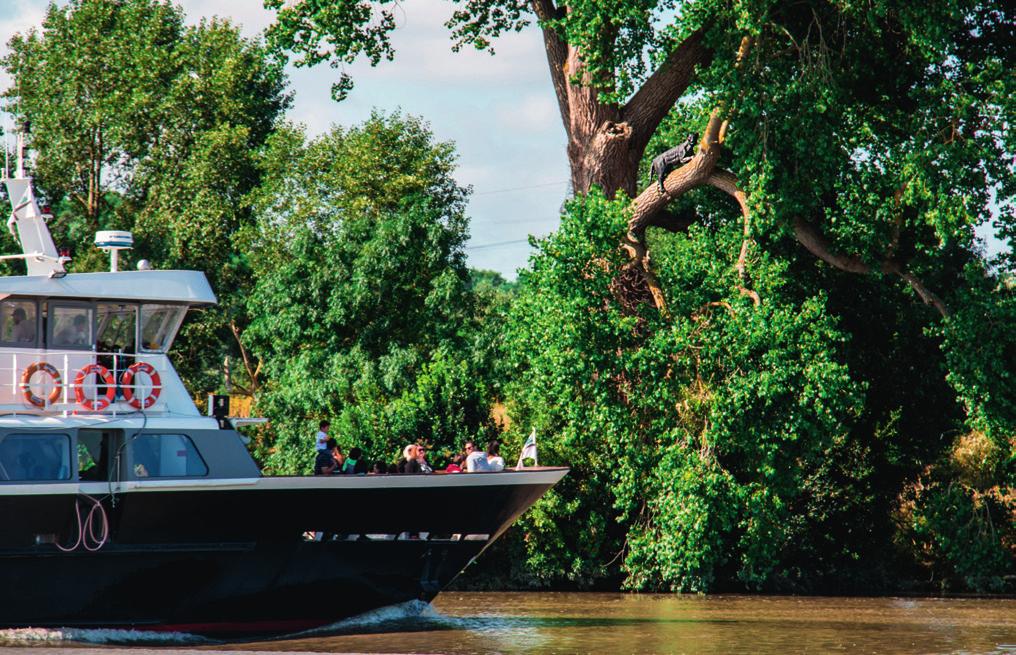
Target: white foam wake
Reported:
[(15, 636), (409, 610)]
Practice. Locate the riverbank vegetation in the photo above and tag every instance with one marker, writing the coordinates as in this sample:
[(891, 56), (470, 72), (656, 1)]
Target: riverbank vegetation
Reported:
[(789, 367)]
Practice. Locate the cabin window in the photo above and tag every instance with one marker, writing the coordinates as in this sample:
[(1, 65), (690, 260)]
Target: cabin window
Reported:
[(116, 327), (166, 456), (20, 321), (159, 324), (71, 327), (35, 457), (95, 453)]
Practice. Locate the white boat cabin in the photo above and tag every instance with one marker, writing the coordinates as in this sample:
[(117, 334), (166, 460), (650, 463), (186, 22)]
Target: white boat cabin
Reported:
[(95, 343)]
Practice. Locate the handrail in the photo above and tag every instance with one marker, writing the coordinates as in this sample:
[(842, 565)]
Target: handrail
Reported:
[(67, 364)]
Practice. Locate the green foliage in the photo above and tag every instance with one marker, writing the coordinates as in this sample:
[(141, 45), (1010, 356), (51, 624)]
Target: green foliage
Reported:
[(360, 305), (701, 431), (141, 123)]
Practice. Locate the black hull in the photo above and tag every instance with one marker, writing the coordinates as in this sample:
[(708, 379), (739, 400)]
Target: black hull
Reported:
[(247, 562)]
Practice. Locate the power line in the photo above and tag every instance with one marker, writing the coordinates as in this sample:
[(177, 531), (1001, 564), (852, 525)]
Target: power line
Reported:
[(520, 188), (498, 244)]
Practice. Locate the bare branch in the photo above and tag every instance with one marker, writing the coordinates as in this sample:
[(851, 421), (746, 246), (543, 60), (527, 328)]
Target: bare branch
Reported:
[(727, 182), (252, 372), (813, 240)]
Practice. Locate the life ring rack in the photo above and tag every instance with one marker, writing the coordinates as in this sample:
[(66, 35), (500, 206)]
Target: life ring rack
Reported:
[(26, 379), (127, 385)]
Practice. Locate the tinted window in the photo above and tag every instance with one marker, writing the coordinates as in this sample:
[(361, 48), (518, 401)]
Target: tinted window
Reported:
[(20, 322), (116, 328), (72, 327), (166, 456), (35, 457), (159, 324)]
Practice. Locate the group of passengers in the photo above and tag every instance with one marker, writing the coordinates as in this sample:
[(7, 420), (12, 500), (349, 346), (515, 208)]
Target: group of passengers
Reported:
[(330, 459)]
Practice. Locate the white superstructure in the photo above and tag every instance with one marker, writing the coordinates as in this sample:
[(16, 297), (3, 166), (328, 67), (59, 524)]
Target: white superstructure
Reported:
[(88, 344)]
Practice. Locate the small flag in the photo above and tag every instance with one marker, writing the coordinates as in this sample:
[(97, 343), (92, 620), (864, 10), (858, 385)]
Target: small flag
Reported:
[(529, 450)]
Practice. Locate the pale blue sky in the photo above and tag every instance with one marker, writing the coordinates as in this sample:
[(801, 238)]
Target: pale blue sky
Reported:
[(500, 111)]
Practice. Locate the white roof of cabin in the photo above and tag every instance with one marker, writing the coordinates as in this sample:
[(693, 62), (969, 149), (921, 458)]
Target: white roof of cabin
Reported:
[(190, 287)]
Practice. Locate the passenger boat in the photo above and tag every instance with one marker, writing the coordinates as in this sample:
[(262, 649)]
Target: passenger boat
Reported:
[(123, 506)]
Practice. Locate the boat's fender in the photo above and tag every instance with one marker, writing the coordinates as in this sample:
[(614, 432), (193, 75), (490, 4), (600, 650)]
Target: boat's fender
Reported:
[(102, 402), (26, 379), (127, 384)]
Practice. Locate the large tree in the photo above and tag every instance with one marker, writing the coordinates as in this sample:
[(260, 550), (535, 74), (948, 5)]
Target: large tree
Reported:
[(848, 153)]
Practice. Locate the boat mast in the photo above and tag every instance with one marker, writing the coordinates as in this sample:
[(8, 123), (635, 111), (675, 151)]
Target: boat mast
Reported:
[(28, 223)]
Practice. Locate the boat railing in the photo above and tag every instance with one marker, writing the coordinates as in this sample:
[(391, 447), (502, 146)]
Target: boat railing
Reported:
[(81, 381)]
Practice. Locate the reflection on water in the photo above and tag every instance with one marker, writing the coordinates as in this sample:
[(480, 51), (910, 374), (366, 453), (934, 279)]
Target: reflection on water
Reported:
[(460, 623), (649, 623)]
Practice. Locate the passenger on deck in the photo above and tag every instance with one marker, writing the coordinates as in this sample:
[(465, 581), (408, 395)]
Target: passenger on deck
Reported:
[(421, 458), (330, 460), (476, 460), (458, 459), (494, 460), (409, 463), (379, 468), (355, 464)]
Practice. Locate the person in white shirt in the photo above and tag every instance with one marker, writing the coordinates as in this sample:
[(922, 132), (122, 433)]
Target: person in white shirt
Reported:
[(476, 459), (321, 438), (494, 460)]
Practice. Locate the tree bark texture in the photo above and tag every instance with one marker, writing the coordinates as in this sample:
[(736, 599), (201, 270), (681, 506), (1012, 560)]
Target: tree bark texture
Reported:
[(606, 141)]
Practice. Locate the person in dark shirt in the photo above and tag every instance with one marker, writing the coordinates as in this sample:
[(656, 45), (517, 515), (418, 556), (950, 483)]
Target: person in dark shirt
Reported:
[(409, 462), (329, 460)]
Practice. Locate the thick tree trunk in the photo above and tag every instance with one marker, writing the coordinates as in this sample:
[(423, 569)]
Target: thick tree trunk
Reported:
[(606, 141)]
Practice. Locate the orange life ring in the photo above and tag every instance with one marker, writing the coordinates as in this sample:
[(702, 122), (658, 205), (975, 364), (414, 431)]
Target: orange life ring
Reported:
[(26, 379), (127, 382), (102, 402)]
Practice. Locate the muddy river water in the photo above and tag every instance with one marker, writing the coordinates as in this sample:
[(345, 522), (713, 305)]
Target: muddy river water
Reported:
[(463, 623)]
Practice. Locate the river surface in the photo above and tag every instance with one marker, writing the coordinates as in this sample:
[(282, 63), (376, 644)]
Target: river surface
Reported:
[(461, 623)]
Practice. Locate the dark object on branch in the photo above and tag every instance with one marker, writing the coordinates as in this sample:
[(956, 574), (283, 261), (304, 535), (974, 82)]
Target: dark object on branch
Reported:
[(673, 158)]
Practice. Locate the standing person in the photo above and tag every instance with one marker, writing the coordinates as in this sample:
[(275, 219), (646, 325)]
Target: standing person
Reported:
[(329, 460), (476, 459), (321, 438), (421, 458), (494, 460), (409, 463)]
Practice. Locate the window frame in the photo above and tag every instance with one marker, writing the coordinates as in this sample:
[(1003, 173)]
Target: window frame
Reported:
[(52, 305), (34, 345)]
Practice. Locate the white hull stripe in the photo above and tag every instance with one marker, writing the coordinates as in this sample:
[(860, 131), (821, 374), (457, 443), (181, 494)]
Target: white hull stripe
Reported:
[(547, 476)]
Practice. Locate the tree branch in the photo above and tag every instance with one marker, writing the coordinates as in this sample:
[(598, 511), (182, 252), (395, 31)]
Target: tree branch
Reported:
[(727, 182), (665, 86), (252, 372), (815, 242)]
